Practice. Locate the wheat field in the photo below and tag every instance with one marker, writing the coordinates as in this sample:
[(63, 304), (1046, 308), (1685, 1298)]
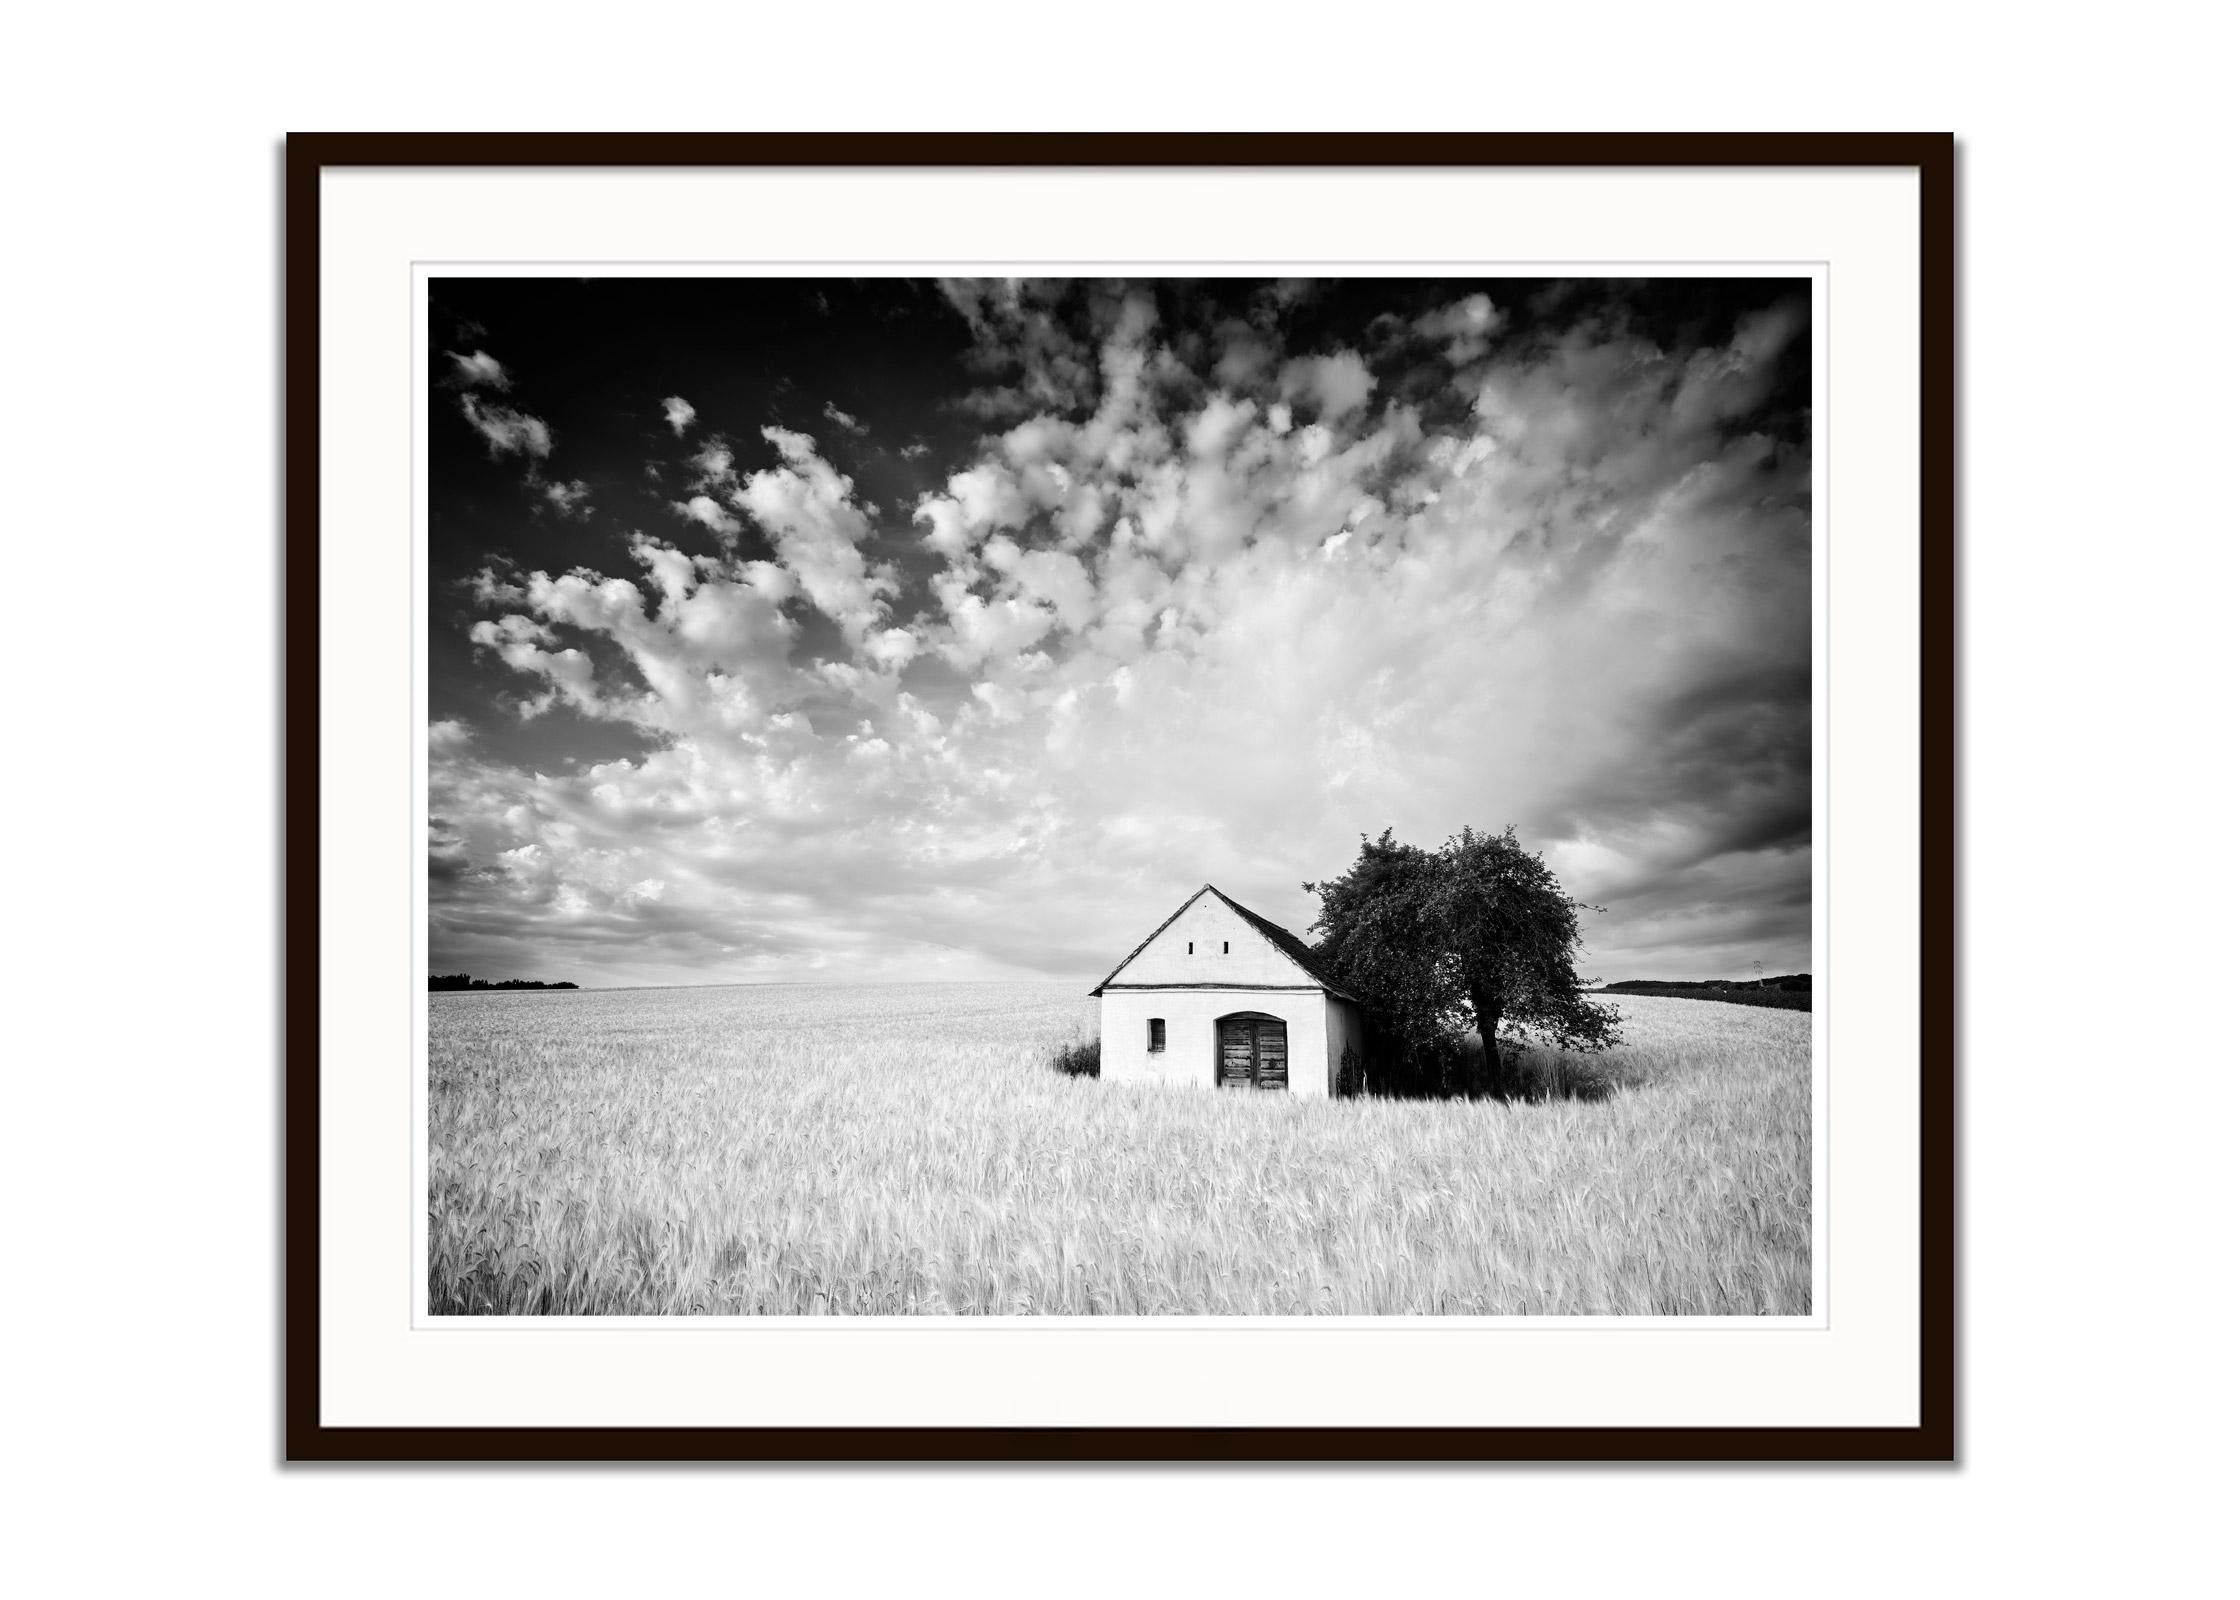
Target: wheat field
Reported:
[(805, 1150)]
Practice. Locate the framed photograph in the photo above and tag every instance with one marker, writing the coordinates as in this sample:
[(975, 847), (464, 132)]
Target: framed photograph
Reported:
[(1129, 797)]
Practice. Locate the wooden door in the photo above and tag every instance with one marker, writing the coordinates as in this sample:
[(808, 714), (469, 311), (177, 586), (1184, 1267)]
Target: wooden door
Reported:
[(1234, 1070), (1254, 1054), (1272, 1068)]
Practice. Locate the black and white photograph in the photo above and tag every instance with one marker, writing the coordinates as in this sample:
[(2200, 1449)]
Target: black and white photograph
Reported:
[(1057, 796), (920, 801)]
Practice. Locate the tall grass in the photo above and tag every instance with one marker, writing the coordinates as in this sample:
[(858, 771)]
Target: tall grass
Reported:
[(906, 1149)]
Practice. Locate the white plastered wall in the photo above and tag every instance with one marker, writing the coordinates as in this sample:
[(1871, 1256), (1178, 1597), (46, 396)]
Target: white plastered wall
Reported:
[(1190, 1015), (1342, 1026)]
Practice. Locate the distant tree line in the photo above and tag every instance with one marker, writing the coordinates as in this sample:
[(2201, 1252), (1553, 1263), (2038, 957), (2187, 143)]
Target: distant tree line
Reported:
[(1790, 993), (1795, 983), (459, 980)]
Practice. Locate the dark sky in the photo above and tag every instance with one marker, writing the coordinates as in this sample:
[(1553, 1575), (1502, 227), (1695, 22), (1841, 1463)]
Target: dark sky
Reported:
[(887, 629)]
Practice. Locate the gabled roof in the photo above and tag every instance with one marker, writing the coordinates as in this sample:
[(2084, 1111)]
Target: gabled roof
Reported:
[(1294, 947), (1283, 939)]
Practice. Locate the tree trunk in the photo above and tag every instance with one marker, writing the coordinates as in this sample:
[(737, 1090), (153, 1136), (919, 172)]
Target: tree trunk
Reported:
[(1486, 1002)]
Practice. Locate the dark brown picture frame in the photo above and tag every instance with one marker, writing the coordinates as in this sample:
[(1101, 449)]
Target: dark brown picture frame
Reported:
[(308, 1438)]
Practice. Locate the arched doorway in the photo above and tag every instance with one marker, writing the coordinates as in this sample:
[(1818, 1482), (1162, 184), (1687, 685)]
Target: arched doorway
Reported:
[(1252, 1051)]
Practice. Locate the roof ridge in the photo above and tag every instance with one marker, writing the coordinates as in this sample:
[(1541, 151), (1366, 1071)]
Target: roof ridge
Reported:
[(1293, 948)]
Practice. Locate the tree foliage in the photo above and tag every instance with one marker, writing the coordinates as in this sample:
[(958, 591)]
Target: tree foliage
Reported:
[(1476, 934)]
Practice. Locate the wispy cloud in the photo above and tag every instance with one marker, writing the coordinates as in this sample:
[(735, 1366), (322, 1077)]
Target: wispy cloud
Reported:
[(480, 368), (711, 465), (507, 431)]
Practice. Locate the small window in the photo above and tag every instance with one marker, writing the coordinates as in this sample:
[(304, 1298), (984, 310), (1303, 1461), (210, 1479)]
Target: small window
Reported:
[(1191, 948), (1224, 947), (1156, 1034)]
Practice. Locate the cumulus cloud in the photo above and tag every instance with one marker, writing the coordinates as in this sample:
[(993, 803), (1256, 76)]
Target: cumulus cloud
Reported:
[(1196, 607), (704, 641), (1467, 326), (711, 465), (678, 413), (705, 511), (809, 511), (1338, 385), (834, 414), (976, 503), (570, 499)]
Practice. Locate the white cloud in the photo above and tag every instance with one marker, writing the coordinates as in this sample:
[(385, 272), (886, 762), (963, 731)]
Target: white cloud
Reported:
[(891, 649), (521, 643), (508, 432), (708, 656), (981, 627), (834, 414), (491, 588), (677, 411), (571, 499), (1339, 385), (703, 510), (711, 465), (946, 529), (1468, 327), (1057, 580), (480, 368), (810, 513)]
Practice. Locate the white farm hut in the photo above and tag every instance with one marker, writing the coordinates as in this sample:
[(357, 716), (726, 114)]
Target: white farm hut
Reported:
[(1221, 997)]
